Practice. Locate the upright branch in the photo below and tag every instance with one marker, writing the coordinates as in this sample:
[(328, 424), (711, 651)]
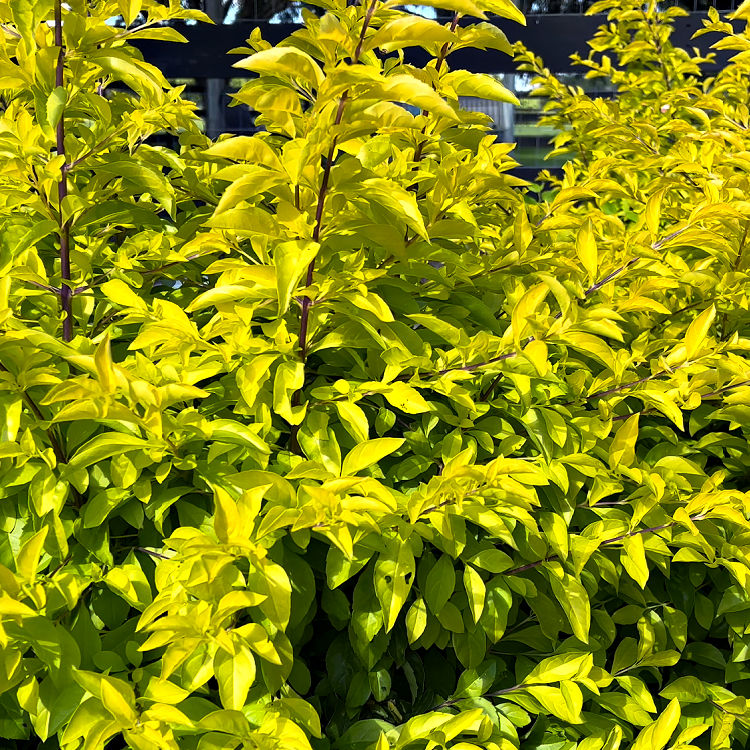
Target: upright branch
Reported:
[(439, 60), (323, 192), (66, 293)]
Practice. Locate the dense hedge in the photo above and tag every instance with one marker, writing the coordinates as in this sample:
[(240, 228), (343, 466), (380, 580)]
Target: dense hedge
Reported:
[(339, 435)]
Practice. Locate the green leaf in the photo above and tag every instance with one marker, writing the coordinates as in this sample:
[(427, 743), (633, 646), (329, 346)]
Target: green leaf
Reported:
[(441, 582)]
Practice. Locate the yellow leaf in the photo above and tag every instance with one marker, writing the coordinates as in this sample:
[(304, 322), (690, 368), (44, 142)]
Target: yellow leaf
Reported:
[(525, 308), (291, 260), (633, 559), (622, 449), (564, 705), (698, 330), (653, 213), (368, 453), (116, 703), (464, 7), (121, 294), (9, 607), (226, 517), (409, 31), (285, 61), (536, 352), (743, 11), (105, 368), (480, 85), (245, 148), (523, 234), (568, 666), (655, 736), (416, 620), (393, 577), (27, 560), (129, 10), (234, 674), (586, 249), (504, 9), (475, 590)]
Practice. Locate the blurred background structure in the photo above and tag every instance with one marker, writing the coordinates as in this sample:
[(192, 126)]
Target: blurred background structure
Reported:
[(555, 30)]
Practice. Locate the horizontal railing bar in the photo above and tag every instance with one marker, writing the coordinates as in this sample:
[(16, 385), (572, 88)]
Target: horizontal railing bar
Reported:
[(554, 37)]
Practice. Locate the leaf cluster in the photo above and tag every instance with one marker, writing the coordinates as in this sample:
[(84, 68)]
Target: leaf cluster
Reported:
[(358, 441)]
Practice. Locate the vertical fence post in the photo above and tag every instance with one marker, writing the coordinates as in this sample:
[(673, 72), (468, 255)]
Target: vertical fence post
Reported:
[(507, 111), (214, 88)]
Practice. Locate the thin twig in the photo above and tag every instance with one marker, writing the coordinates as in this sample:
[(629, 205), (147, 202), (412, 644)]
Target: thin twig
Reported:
[(151, 553), (607, 542), (66, 293)]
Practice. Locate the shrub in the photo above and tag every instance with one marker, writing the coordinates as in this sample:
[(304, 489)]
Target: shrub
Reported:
[(352, 440)]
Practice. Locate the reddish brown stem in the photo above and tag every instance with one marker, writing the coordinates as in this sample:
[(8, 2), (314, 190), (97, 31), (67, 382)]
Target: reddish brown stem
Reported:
[(606, 542), (323, 193), (439, 60), (66, 293)]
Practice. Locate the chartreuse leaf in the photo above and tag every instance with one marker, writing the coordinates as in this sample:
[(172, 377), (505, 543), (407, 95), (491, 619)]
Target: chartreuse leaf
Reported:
[(235, 673), (291, 260), (564, 702), (658, 734), (556, 373), (27, 560), (416, 620), (634, 560), (284, 61), (245, 148), (569, 666), (475, 590), (121, 294), (406, 31), (393, 577), (56, 105), (464, 7), (622, 448), (698, 330), (105, 446), (586, 249), (368, 453), (129, 10), (574, 600), (525, 308)]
